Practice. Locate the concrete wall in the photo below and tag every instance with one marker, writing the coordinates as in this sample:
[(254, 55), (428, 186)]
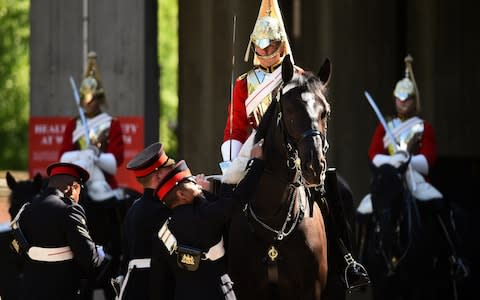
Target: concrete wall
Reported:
[(118, 34)]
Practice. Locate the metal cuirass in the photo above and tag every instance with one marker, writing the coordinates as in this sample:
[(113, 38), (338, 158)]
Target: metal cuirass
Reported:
[(404, 131), (99, 129)]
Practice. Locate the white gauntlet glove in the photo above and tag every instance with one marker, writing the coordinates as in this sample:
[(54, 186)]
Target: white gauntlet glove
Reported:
[(399, 158)]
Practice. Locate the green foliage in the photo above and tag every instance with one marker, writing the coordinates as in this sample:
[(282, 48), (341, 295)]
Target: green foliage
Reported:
[(14, 83), (168, 61)]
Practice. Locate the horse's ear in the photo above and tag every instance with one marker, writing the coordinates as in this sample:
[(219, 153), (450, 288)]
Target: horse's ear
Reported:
[(287, 69), (37, 182), (11, 181), (325, 72)]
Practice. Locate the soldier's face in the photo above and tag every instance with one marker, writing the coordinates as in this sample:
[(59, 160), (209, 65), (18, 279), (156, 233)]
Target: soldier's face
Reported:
[(91, 107), (270, 55), (405, 108), (74, 192)]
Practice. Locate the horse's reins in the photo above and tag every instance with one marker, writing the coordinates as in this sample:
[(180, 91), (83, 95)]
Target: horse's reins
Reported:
[(410, 205)]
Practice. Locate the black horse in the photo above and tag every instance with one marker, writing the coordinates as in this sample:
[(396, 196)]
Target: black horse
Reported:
[(407, 247), (278, 244), (11, 263)]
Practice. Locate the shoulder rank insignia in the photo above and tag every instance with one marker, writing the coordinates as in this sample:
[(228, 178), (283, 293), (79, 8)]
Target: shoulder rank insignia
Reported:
[(168, 239)]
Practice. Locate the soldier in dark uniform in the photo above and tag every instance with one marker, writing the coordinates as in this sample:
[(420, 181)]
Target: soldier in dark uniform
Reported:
[(94, 140), (143, 221), (52, 233), (188, 257)]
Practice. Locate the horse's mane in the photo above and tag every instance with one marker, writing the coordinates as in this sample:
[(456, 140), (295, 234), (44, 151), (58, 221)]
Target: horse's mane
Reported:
[(265, 122)]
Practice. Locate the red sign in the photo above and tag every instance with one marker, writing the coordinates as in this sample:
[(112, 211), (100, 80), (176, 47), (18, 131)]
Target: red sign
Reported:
[(46, 137)]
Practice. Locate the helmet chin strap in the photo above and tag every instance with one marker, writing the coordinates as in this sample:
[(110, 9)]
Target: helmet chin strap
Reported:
[(266, 56)]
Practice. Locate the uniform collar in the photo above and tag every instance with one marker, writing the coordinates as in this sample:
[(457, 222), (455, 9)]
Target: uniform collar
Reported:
[(271, 68)]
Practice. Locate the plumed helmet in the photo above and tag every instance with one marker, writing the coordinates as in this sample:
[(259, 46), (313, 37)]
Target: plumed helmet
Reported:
[(91, 86), (407, 87), (269, 27), (266, 30)]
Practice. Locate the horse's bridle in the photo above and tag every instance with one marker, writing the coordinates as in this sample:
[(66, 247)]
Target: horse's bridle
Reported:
[(293, 161), (296, 182)]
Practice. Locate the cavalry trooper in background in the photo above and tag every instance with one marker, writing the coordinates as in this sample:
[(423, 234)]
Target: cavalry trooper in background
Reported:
[(94, 141), (253, 91), (52, 233), (416, 145), (415, 136), (142, 222), (188, 256), (101, 150)]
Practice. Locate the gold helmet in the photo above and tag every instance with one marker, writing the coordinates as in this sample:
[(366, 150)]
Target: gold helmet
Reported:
[(91, 86), (269, 27), (407, 87)]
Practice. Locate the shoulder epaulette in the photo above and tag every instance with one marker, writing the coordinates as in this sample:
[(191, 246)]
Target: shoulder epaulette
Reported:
[(242, 77)]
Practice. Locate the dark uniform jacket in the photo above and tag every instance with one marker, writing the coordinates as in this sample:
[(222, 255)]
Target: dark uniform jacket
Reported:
[(142, 223), (199, 225), (50, 221)]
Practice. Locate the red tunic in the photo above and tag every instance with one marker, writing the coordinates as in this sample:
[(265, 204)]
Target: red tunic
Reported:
[(114, 145), (241, 125), (428, 145)]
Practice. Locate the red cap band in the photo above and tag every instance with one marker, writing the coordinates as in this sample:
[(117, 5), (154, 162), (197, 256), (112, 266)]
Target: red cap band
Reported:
[(144, 172), (172, 182), (65, 170)]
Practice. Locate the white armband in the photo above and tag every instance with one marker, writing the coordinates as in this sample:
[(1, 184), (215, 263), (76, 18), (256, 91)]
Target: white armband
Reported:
[(108, 163), (419, 163)]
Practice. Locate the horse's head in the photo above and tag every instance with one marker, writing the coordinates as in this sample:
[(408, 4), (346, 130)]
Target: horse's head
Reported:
[(390, 201), (22, 191), (301, 115)]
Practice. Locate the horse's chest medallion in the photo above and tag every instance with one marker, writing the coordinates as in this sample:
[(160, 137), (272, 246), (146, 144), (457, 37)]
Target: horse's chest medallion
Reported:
[(272, 253)]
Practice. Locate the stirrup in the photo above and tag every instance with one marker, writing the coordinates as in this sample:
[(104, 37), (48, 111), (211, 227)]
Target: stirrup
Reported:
[(356, 275)]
